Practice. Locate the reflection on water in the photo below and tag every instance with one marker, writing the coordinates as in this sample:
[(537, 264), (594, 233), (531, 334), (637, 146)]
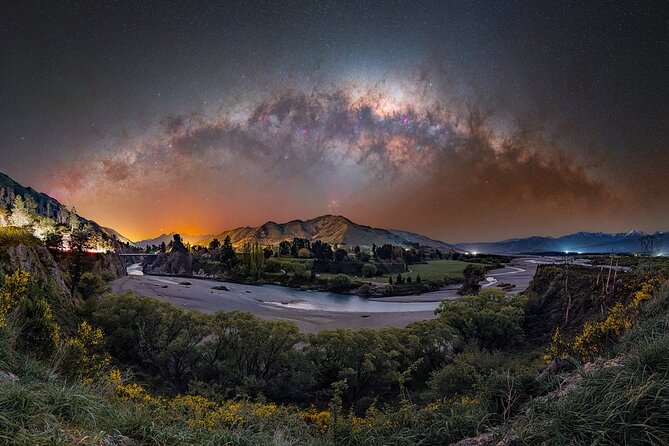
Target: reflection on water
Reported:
[(324, 301)]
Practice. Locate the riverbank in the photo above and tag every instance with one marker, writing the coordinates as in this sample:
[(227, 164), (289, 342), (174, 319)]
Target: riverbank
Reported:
[(310, 310)]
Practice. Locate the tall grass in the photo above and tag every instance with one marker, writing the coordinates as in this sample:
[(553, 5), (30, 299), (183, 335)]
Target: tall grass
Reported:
[(619, 405)]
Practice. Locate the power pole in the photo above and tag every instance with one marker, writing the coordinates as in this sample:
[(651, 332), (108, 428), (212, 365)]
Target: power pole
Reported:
[(566, 288), (608, 278), (648, 243)]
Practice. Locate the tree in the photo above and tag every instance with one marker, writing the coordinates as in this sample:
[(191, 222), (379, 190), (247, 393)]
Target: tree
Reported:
[(400, 279), (54, 240), (177, 244), (228, 252), (456, 378), (300, 271), (339, 255), (73, 220), (272, 266), (21, 215), (473, 274), (409, 279), (304, 253), (79, 245), (297, 244), (160, 338), (267, 252), (321, 250), (371, 361), (214, 244), (418, 278), (91, 286), (390, 280), (385, 251), (253, 257), (284, 248), (246, 352)]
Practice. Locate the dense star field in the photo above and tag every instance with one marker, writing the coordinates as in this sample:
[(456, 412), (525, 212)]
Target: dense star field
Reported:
[(474, 121)]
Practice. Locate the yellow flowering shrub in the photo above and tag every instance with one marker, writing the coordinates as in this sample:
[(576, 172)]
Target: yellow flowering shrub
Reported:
[(39, 330), (321, 420), (359, 424), (558, 346), (115, 378), (14, 289), (84, 354), (594, 336), (198, 412), (132, 392)]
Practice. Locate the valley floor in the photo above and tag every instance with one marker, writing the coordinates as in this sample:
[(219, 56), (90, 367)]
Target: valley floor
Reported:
[(311, 311)]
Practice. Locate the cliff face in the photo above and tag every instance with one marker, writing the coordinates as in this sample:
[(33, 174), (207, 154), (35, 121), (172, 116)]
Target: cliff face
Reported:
[(98, 263), (171, 263), (35, 258)]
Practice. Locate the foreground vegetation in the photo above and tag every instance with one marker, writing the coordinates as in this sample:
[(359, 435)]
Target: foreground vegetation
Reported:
[(124, 369)]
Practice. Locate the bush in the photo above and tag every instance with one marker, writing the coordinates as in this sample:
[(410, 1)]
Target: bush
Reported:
[(365, 290), (300, 271), (368, 270), (272, 265), (457, 378), (493, 319), (340, 282)]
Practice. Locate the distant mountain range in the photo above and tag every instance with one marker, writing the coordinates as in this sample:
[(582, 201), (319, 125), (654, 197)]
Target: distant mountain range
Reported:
[(48, 207), (584, 242), (332, 229), (192, 239)]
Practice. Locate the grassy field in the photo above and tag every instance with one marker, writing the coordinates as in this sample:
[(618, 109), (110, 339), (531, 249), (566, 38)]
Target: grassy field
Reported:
[(437, 269), (432, 270)]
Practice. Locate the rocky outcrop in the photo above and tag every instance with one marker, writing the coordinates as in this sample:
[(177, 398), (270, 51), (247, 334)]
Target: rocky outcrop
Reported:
[(36, 260), (8, 377), (98, 263), (177, 263)]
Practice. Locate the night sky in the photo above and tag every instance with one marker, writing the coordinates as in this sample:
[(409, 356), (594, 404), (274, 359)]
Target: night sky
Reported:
[(459, 120)]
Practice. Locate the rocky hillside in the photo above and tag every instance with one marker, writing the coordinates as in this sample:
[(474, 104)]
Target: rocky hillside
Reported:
[(49, 207), (333, 229), (21, 251)]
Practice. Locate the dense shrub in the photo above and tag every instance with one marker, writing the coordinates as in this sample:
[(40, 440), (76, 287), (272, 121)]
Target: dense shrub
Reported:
[(340, 282), (368, 270), (493, 319)]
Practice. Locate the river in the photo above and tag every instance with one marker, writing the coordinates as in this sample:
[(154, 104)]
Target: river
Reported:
[(311, 310)]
